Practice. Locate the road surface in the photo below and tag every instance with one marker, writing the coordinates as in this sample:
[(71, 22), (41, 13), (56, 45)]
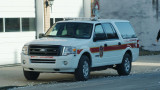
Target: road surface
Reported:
[(148, 81), (145, 75)]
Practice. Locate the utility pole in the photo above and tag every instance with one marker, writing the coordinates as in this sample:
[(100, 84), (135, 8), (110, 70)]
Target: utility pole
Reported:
[(39, 15), (42, 14)]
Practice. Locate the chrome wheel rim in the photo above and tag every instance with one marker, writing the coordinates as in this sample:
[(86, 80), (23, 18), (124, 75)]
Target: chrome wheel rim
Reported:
[(85, 69), (127, 64)]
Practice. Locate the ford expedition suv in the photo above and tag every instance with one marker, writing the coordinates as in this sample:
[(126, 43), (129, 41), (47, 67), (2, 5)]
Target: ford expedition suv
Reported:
[(81, 46)]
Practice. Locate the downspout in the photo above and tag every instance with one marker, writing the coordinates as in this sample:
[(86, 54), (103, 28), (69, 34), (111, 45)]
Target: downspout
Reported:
[(83, 9), (35, 19), (157, 9)]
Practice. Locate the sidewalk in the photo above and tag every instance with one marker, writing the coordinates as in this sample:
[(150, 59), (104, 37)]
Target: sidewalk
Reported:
[(12, 75)]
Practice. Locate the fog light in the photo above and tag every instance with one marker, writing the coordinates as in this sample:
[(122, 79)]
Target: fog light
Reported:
[(24, 62), (65, 62)]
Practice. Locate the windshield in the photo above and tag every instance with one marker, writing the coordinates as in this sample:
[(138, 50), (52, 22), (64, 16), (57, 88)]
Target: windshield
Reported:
[(70, 30)]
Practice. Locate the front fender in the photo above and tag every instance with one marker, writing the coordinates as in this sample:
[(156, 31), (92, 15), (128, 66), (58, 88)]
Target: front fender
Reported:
[(80, 52)]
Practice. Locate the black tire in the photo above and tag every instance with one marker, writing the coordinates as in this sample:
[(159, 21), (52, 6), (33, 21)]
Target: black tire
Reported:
[(125, 67), (82, 72), (30, 75)]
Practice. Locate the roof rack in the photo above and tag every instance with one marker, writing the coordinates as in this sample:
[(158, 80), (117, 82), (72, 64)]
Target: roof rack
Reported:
[(82, 18)]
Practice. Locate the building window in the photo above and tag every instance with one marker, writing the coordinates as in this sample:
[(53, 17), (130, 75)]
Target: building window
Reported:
[(28, 24), (58, 19), (1, 24), (12, 25)]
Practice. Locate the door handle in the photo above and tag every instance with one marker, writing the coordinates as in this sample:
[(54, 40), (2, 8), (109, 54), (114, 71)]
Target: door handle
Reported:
[(105, 45), (119, 43)]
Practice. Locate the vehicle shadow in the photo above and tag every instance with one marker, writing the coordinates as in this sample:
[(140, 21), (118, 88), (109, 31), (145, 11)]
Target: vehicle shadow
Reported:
[(61, 78)]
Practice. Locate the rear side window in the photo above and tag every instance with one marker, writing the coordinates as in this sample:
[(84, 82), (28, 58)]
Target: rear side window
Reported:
[(126, 30)]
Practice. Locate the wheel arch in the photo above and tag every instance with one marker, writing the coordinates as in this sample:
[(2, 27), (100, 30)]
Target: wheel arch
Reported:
[(130, 53), (89, 56)]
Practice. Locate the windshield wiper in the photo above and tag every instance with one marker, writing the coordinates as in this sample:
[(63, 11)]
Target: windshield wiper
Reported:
[(49, 36), (69, 36)]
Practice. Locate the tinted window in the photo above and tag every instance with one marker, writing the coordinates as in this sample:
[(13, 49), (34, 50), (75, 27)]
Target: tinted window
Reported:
[(110, 31), (99, 29), (126, 30), (1, 25), (12, 24)]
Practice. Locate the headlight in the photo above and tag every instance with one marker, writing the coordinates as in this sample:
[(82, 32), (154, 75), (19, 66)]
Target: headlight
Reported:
[(25, 50), (67, 50)]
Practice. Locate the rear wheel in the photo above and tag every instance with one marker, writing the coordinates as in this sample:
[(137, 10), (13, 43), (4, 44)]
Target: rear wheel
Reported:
[(82, 72), (125, 67), (30, 75)]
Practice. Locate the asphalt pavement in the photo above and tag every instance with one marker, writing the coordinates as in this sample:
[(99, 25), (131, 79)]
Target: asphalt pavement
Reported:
[(145, 67), (148, 81)]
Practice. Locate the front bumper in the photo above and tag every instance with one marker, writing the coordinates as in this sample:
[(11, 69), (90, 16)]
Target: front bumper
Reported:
[(62, 63)]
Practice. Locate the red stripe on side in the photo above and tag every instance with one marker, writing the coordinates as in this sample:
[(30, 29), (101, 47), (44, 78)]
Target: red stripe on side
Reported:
[(79, 51), (94, 50), (115, 47), (133, 45), (137, 43)]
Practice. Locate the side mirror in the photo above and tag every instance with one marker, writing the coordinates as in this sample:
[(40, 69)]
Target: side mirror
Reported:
[(99, 37), (41, 35)]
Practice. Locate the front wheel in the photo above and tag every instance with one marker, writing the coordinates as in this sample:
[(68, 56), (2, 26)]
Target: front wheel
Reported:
[(30, 75), (82, 72), (125, 67)]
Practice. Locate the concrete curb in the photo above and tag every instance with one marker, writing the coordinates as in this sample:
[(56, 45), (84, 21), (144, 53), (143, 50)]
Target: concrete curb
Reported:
[(10, 65), (8, 87)]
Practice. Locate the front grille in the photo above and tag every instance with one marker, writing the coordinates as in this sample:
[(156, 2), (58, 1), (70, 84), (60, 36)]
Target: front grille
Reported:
[(45, 50), (43, 61)]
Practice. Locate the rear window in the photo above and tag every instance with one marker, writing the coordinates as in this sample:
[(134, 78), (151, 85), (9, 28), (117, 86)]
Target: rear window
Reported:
[(126, 30)]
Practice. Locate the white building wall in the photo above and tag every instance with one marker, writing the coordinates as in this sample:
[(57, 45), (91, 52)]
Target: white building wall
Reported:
[(17, 8), (11, 43), (67, 8), (87, 8)]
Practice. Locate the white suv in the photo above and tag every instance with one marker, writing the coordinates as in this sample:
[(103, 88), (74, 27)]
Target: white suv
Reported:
[(79, 47)]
